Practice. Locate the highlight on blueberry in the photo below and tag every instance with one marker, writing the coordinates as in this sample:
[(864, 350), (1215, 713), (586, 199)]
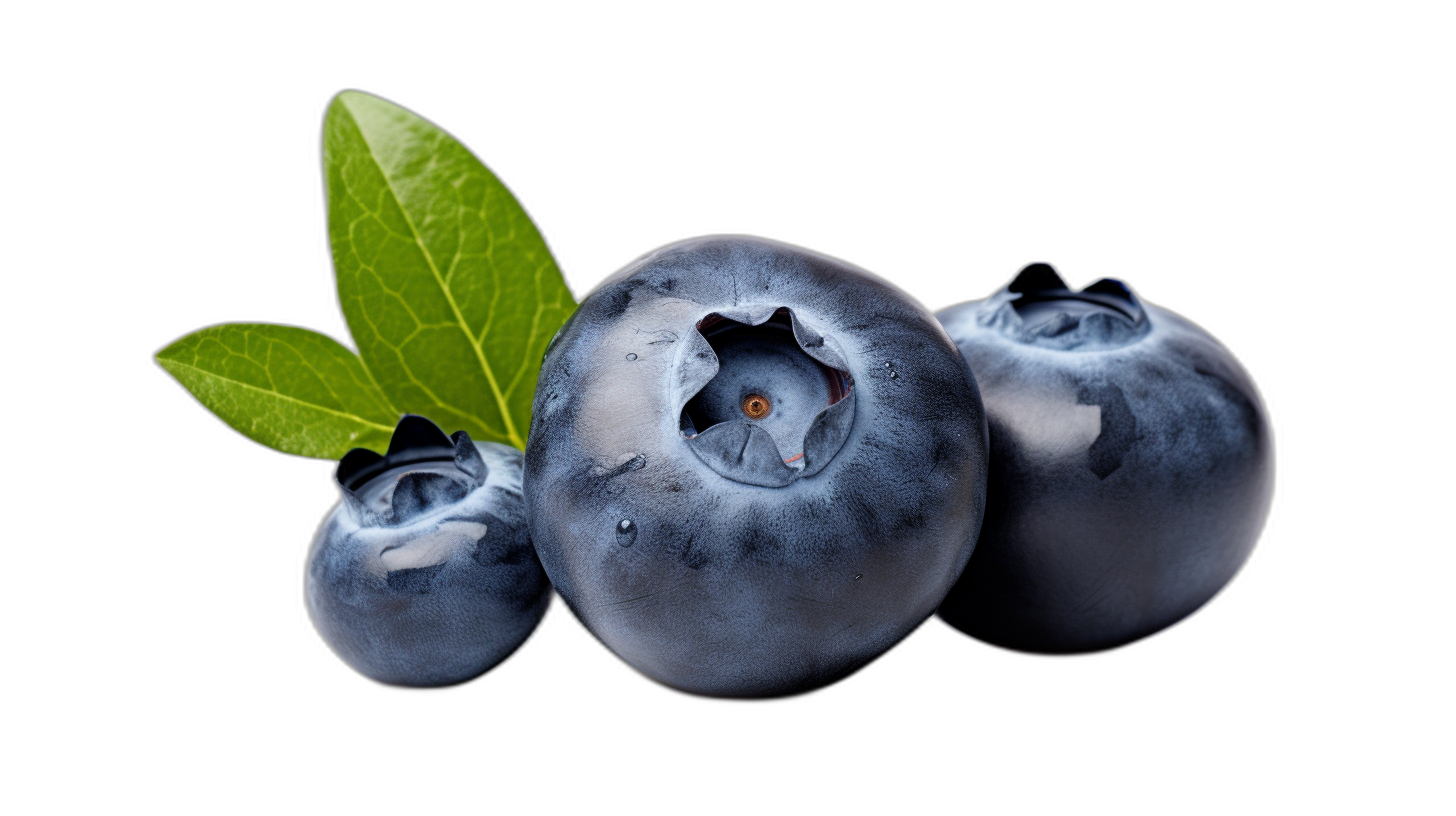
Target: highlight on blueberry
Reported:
[(424, 574), (753, 468), (1131, 466)]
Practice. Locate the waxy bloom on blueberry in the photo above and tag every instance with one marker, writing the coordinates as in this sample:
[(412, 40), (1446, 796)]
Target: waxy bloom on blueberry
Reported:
[(424, 574), (1131, 466), (753, 468)]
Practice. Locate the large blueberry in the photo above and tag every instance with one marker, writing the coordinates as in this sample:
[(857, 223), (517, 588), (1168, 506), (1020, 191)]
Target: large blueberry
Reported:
[(1131, 466), (424, 574), (753, 468)]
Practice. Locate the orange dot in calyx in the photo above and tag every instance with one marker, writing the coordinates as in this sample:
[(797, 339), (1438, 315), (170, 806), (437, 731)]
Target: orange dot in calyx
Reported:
[(756, 406)]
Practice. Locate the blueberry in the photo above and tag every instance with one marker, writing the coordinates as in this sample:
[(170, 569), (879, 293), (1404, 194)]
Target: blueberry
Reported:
[(424, 574), (1131, 466), (752, 468)]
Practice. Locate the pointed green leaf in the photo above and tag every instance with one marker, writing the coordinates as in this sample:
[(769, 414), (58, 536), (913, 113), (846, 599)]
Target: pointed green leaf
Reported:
[(448, 288), (291, 389)]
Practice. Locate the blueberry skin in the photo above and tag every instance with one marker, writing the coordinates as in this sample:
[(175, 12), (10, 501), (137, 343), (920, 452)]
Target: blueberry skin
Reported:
[(1131, 466), (688, 563), (424, 574)]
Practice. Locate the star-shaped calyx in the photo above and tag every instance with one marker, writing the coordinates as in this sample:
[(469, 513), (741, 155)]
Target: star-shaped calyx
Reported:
[(1038, 309), (764, 399), (422, 471)]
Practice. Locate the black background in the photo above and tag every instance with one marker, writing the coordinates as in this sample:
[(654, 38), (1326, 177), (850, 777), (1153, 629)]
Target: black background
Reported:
[(939, 190)]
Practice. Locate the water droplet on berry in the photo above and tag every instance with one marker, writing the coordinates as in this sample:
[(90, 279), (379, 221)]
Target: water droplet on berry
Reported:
[(626, 532), (631, 356)]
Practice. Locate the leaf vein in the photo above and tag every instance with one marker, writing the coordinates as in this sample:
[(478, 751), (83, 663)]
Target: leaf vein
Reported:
[(449, 299)]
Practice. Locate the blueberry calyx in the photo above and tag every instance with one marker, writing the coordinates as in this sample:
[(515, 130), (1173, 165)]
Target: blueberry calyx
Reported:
[(1038, 309), (423, 470), (764, 398)]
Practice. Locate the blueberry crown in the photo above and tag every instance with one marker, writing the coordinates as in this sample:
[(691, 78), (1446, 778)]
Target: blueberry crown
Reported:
[(1038, 308), (429, 468)]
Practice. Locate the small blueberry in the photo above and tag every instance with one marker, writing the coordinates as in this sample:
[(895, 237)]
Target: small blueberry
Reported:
[(424, 574)]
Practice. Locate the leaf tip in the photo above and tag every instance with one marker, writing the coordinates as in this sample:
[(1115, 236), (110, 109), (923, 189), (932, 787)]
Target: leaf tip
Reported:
[(354, 103), (349, 96), (169, 353)]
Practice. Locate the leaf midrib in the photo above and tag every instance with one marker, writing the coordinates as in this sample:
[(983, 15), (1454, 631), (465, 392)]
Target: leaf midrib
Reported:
[(500, 400), (168, 363)]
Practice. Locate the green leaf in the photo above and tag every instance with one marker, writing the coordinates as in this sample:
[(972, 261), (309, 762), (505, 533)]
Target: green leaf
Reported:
[(291, 389), (448, 288)]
